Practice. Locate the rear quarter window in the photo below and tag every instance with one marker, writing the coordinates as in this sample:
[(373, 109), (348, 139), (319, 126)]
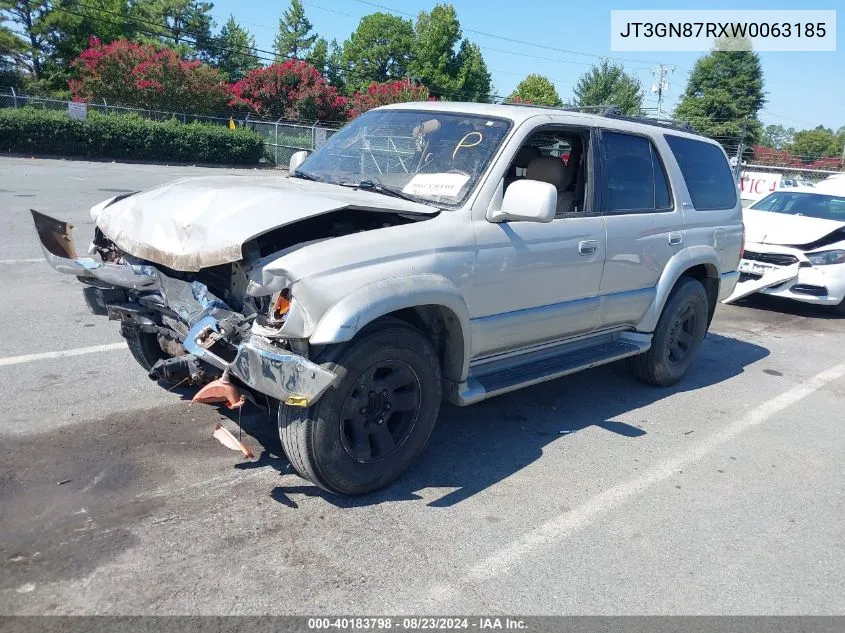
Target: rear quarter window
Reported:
[(706, 172)]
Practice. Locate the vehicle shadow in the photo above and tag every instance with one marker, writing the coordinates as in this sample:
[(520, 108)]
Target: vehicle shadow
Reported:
[(769, 303), (475, 447)]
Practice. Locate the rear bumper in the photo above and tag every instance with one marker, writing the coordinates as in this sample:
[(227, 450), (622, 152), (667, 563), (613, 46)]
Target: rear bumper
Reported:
[(255, 361)]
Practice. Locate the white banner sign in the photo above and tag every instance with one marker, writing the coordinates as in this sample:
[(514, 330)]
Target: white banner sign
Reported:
[(758, 184)]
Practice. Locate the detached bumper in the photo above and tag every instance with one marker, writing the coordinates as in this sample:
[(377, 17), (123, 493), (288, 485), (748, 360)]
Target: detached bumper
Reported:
[(57, 245), (283, 375)]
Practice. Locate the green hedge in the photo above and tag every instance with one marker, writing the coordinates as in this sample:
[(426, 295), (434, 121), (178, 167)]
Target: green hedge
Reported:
[(31, 131)]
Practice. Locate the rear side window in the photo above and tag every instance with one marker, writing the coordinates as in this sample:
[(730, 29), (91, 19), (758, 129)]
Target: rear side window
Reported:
[(634, 176), (709, 181)]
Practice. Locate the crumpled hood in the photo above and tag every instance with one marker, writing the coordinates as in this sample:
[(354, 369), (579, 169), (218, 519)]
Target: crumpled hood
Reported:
[(199, 222), (766, 227)]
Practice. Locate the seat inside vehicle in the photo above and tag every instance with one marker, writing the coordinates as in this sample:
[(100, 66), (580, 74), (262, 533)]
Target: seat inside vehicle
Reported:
[(555, 157)]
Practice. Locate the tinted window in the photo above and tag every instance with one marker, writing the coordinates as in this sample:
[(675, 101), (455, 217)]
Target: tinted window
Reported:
[(634, 177), (706, 172), (813, 205)]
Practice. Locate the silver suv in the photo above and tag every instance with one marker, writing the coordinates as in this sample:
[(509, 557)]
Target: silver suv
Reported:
[(426, 251)]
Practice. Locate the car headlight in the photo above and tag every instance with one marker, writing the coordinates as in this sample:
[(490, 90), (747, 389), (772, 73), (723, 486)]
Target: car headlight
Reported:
[(824, 258), (280, 306)]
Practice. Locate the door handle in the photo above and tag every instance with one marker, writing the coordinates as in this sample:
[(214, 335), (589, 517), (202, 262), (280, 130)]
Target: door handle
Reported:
[(675, 239), (588, 247)]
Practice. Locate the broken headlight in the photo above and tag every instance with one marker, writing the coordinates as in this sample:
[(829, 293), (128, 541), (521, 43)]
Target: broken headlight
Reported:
[(280, 306), (824, 258)]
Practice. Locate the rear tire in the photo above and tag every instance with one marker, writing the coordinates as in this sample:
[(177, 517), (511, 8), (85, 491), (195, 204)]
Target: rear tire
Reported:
[(677, 337), (369, 427), (143, 346)]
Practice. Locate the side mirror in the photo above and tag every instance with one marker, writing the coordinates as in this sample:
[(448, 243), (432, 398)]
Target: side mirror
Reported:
[(297, 159), (527, 201)]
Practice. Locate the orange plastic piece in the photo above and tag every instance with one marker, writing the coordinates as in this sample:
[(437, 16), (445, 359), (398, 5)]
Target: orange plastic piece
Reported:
[(220, 391)]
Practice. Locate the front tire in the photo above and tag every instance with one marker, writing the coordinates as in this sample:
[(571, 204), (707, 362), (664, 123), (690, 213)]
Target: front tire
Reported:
[(677, 337), (369, 427), (143, 346)]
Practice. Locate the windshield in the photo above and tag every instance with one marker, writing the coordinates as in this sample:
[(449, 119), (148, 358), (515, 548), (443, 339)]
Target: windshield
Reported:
[(814, 205), (434, 157)]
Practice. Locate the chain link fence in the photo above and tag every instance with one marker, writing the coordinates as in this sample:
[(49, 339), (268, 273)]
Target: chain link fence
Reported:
[(282, 138)]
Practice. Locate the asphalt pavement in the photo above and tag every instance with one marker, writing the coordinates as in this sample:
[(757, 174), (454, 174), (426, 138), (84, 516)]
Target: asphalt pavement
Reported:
[(592, 494)]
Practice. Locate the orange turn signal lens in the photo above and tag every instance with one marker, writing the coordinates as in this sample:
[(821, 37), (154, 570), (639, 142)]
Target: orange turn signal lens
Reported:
[(282, 304)]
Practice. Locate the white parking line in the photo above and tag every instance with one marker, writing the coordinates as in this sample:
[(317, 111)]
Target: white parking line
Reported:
[(79, 351), (22, 261), (558, 528)]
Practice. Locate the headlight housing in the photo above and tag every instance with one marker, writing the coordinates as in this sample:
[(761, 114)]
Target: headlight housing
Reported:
[(824, 258), (280, 306)]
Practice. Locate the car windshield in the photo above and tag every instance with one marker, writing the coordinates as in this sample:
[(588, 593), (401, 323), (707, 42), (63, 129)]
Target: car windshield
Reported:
[(814, 205), (431, 157)]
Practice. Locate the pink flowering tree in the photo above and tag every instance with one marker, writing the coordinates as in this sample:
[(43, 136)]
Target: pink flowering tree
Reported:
[(292, 90), (379, 94), (147, 76)]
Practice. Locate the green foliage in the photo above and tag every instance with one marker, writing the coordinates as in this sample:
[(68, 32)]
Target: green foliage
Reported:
[(31, 131), (334, 67), (608, 84), (810, 145), (293, 40), (725, 90), (776, 136), (234, 51), (379, 50), (318, 56), (185, 25), (25, 36), (439, 65), (536, 89)]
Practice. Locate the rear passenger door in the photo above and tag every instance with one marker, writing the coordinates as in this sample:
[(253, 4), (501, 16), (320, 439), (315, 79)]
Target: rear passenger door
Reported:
[(645, 224)]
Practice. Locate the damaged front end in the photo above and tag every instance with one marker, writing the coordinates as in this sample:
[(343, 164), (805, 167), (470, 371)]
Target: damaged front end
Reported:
[(203, 321)]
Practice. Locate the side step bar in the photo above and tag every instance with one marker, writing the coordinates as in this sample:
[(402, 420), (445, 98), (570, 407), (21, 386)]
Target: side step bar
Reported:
[(492, 377)]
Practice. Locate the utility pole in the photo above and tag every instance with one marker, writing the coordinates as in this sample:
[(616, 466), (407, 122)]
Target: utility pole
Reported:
[(740, 150), (661, 86)]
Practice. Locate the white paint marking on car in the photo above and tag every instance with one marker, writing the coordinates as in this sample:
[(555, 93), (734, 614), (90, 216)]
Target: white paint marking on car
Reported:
[(79, 351), (558, 528), (22, 261)]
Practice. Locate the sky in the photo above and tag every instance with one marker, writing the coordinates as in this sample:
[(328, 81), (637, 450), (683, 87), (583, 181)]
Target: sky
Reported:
[(803, 89)]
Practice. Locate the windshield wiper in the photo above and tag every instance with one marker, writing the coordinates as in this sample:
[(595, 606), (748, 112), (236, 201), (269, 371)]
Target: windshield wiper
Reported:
[(306, 176), (369, 185)]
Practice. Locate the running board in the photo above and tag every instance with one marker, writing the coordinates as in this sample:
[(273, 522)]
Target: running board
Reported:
[(492, 377)]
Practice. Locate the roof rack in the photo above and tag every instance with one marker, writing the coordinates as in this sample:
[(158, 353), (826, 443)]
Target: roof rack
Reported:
[(613, 112)]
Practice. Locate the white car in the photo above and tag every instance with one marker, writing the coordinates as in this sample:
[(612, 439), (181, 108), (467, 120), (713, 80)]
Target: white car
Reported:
[(795, 247)]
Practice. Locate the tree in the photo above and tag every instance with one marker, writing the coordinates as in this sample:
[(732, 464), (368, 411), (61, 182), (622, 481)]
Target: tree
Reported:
[(379, 50), (334, 70), (235, 51), (725, 92), (474, 81), (184, 25), (608, 84), (536, 89), (13, 50), (27, 38), (71, 27), (385, 93), (318, 56), (293, 40), (291, 90), (438, 62), (810, 145), (147, 76), (776, 136)]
